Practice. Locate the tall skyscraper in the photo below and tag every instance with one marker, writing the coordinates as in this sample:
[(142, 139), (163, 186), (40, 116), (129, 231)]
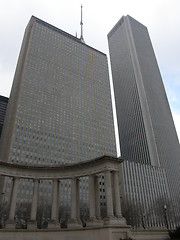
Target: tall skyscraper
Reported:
[(60, 108), (146, 130)]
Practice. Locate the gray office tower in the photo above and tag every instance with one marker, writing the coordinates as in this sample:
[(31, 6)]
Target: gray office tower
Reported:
[(148, 139), (60, 108)]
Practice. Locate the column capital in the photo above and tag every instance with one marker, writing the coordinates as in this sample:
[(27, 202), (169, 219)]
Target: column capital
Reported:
[(15, 178), (97, 175), (108, 170), (56, 179), (75, 178), (36, 180)]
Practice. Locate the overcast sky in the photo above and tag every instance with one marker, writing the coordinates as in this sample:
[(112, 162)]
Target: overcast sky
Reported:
[(162, 18)]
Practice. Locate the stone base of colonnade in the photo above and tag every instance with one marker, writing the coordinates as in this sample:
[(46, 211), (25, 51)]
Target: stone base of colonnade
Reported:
[(88, 233), (10, 224), (120, 221), (53, 224), (75, 223), (94, 222), (32, 224)]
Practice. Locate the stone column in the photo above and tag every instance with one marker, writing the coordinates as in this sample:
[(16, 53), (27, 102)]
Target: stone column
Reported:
[(73, 199), (108, 191), (77, 200), (33, 224), (74, 203), (117, 203), (92, 198), (97, 197), (111, 220), (10, 223), (53, 223)]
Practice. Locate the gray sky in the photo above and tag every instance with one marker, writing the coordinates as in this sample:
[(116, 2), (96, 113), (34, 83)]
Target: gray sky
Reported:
[(161, 17)]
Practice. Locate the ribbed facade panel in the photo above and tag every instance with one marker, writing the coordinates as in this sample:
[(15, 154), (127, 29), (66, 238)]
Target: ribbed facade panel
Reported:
[(145, 193)]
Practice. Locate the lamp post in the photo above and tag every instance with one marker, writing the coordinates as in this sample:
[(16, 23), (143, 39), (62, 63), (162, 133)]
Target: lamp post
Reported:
[(165, 216), (143, 220)]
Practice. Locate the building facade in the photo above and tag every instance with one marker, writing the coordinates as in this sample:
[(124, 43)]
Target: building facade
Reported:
[(3, 107), (60, 108), (146, 130)]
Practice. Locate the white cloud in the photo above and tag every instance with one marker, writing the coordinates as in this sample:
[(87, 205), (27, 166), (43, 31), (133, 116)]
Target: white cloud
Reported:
[(176, 117), (161, 17)]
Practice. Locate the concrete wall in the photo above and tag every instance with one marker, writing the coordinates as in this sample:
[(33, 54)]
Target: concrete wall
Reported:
[(104, 233), (142, 234)]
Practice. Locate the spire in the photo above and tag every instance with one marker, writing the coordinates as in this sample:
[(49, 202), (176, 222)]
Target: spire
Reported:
[(81, 23)]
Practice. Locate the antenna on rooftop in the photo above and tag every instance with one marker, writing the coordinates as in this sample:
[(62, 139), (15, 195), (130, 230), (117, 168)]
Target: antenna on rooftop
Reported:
[(81, 23)]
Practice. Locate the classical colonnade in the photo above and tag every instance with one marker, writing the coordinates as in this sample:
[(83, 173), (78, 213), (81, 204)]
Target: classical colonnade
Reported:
[(109, 166)]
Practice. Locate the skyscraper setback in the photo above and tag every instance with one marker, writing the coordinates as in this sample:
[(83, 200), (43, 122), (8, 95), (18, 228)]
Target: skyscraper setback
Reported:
[(146, 130)]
